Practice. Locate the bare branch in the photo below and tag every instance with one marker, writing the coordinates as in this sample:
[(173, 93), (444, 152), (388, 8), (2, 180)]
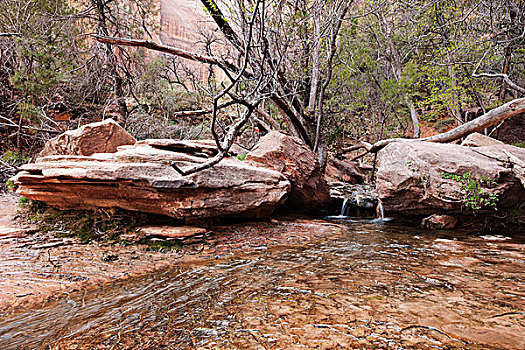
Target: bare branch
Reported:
[(166, 49), (505, 77), (268, 118), (223, 24)]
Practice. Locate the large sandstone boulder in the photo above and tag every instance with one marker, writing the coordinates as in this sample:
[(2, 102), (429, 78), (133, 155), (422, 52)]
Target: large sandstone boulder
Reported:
[(101, 137), (140, 178), (291, 157), (422, 178)]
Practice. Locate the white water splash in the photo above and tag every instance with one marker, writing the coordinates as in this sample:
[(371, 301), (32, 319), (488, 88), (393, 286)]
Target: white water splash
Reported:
[(344, 208)]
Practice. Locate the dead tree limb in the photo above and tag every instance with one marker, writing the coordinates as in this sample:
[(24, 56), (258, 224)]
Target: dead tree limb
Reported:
[(166, 49), (225, 144), (489, 119), (297, 127), (505, 78), (269, 119), (9, 34)]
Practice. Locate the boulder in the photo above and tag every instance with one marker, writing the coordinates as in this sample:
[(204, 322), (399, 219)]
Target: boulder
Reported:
[(440, 222), (479, 140), (100, 137), (424, 178), (291, 157), (346, 171), (140, 178)]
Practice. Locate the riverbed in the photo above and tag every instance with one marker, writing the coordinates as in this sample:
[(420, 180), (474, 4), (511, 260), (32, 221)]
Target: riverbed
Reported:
[(360, 284)]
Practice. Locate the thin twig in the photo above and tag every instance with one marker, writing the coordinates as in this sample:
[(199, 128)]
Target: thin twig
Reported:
[(426, 327)]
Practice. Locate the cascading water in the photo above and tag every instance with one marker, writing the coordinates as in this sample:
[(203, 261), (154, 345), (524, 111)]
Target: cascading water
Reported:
[(380, 211), (344, 208)]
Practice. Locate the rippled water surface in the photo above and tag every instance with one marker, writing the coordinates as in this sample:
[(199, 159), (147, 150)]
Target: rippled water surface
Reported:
[(370, 285)]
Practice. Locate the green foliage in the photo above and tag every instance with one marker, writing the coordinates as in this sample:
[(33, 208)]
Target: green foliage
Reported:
[(44, 50), (161, 245), (10, 185), (475, 195), (516, 214), (241, 157), (87, 225), (14, 158), (23, 201)]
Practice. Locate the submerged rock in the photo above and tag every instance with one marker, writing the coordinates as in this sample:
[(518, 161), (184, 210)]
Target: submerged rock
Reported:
[(442, 222), (101, 137), (291, 157), (423, 178), (170, 232)]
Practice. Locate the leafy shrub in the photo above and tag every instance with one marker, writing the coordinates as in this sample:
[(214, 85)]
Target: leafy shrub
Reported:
[(475, 196)]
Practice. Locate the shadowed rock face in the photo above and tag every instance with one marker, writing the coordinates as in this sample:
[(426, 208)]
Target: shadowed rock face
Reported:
[(291, 157), (140, 178), (411, 180)]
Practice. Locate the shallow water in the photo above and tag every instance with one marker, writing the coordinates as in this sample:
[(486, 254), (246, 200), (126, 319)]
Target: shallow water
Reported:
[(371, 285)]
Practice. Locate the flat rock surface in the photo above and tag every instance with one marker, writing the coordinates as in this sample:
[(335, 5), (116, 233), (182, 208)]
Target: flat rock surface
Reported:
[(171, 231)]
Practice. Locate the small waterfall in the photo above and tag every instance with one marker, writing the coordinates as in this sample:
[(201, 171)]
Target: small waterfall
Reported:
[(344, 208), (381, 211)]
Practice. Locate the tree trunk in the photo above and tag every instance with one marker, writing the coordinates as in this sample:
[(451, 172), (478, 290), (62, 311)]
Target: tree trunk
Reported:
[(314, 82), (413, 116), (395, 61), (112, 61)]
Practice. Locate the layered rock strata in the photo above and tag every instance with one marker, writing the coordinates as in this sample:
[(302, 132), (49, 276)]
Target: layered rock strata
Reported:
[(140, 178)]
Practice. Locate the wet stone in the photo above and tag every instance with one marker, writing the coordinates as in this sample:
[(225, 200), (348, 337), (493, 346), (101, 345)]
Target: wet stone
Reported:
[(170, 232)]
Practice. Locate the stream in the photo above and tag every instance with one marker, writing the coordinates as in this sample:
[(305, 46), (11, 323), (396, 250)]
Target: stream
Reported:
[(372, 285)]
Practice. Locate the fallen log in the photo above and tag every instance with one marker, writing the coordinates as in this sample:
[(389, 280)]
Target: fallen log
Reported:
[(494, 116)]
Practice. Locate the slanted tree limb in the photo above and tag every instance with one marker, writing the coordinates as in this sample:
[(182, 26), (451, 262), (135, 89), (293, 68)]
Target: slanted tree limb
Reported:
[(166, 49), (489, 119), (223, 24), (268, 118), (204, 111)]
